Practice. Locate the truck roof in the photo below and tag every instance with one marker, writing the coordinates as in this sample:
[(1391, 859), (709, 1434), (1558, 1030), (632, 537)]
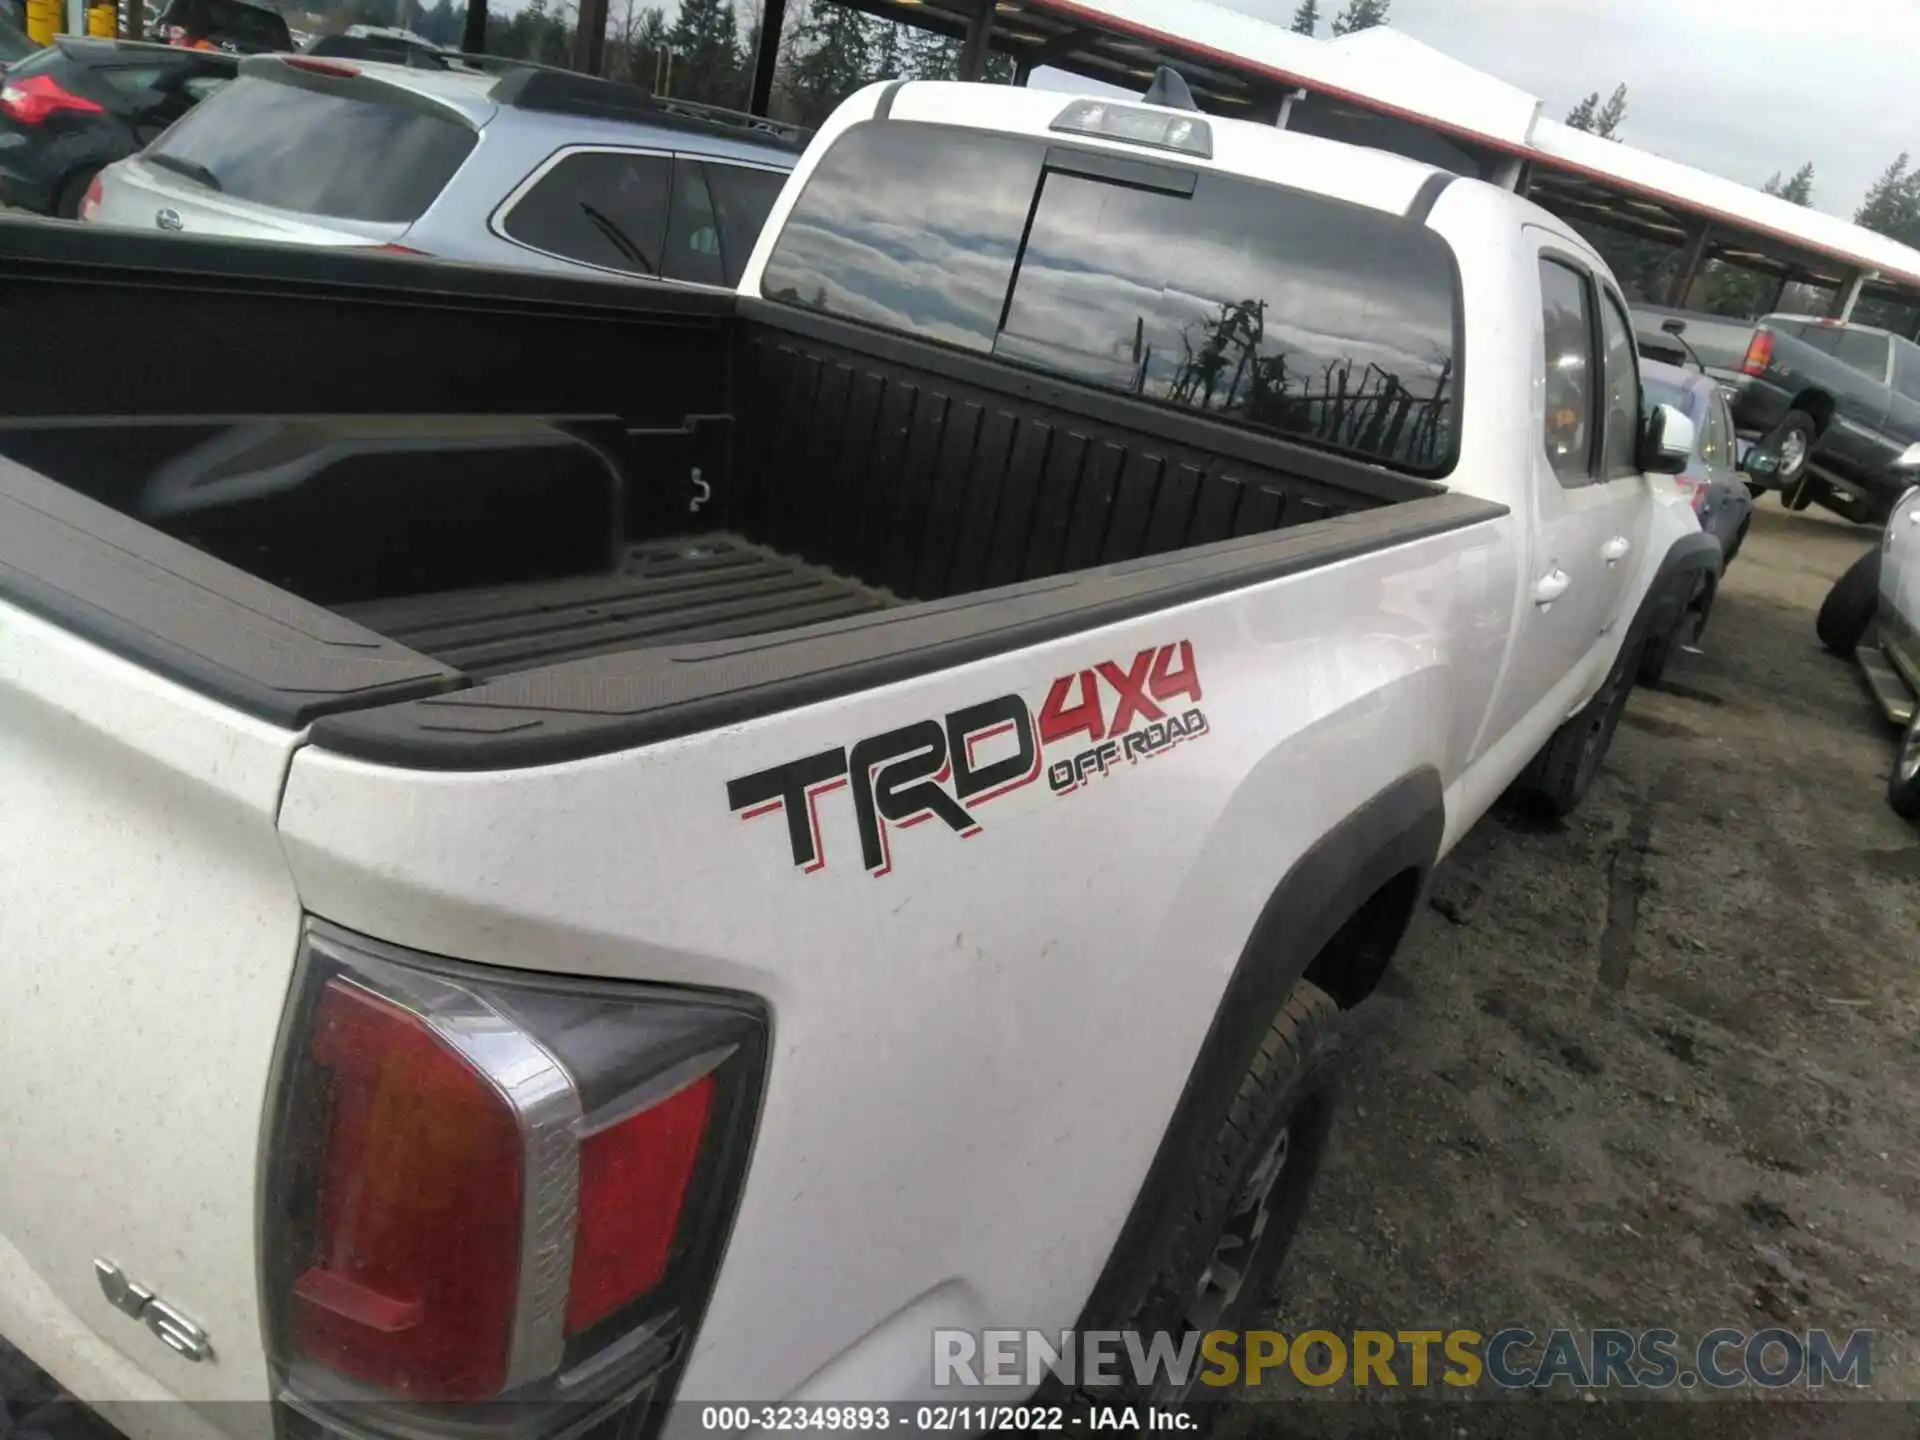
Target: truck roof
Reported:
[(1373, 178)]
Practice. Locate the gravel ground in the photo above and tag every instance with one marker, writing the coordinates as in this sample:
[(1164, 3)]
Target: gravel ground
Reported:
[(1658, 1065)]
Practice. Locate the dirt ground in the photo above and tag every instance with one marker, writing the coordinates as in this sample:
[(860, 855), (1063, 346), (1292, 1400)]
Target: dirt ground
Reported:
[(1658, 1065)]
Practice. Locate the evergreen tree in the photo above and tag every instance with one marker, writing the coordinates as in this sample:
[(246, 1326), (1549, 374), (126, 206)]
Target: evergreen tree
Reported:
[(888, 60), (1360, 15), (1597, 119), (1307, 18), (1607, 122), (1798, 188), (1892, 203), (833, 53), (931, 56), (705, 40)]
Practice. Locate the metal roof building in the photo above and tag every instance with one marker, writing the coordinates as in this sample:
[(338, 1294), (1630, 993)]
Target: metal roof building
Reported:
[(1383, 88)]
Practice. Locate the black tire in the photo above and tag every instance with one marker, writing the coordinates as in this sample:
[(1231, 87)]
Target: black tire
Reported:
[(1557, 779), (73, 189), (1260, 1162), (1903, 781), (1850, 604), (1654, 656), (1739, 539), (1800, 426)]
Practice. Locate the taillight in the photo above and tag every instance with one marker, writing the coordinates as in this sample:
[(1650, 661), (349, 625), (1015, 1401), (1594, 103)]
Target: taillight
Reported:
[(32, 100), (1695, 488), (1759, 353), (395, 250), (322, 67), (90, 202), (502, 1194)]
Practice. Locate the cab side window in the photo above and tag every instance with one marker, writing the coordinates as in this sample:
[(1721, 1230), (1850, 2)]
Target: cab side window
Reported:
[(1620, 457), (1568, 357)]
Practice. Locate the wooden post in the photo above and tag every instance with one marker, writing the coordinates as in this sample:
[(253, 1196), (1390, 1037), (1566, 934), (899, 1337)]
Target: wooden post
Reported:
[(590, 39), (767, 59), (1691, 258), (473, 39), (979, 42)]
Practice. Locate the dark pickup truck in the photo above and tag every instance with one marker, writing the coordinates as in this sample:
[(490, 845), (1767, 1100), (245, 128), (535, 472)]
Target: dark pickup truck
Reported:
[(1833, 405)]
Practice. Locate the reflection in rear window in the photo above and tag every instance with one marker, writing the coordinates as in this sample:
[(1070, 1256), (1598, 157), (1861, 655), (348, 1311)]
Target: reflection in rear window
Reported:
[(246, 22), (1278, 311), (320, 153)]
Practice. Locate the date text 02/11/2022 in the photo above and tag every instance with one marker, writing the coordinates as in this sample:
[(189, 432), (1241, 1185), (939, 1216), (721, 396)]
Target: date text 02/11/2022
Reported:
[(984, 752), (944, 1419)]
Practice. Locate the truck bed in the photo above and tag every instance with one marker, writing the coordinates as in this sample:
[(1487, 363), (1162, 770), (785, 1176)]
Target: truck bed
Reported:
[(482, 517), (705, 587)]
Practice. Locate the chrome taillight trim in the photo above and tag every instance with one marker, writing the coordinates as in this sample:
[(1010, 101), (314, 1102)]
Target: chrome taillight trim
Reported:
[(546, 1107)]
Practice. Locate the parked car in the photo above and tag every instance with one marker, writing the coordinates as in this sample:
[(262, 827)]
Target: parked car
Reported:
[(1872, 615), (375, 42), (1834, 404), (14, 43), (619, 876), (70, 110), (1713, 480), (536, 168), (235, 26)]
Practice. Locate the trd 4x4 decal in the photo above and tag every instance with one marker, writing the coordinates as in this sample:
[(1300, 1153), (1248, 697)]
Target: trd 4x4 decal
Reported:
[(947, 769)]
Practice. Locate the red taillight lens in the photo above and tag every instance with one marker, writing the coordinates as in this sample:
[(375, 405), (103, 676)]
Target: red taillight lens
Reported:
[(322, 67), (32, 100), (90, 202), (413, 1285), (500, 1193), (1759, 353), (633, 1179)]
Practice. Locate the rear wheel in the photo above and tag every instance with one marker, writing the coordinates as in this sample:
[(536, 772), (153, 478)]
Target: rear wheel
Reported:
[(1215, 1266), (1791, 442), (1903, 785), (1739, 539), (73, 189), (1557, 779), (1850, 605)]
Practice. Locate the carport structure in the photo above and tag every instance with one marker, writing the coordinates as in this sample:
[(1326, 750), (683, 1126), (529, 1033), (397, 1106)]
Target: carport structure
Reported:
[(1382, 88)]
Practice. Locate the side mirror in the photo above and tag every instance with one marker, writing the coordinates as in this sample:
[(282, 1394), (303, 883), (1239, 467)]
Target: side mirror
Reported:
[(1759, 462), (1667, 446), (1675, 328)]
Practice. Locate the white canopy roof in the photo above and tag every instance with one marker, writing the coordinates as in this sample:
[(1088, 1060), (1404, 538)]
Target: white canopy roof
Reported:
[(1390, 72)]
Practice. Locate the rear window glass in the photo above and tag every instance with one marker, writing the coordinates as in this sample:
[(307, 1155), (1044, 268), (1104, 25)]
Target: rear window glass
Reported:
[(599, 207), (1278, 311), (317, 152), (1864, 351)]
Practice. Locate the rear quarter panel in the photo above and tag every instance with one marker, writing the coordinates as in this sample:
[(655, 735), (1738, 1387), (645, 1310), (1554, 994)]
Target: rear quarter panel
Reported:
[(147, 933), (976, 1052)]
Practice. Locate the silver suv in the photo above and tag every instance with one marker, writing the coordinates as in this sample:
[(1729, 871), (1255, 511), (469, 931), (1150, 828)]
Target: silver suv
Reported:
[(510, 164)]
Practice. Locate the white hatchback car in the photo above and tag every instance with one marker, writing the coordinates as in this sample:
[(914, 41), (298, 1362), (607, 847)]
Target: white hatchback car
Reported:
[(1873, 614)]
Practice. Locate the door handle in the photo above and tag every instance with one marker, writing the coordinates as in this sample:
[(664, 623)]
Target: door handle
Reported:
[(1616, 549), (1552, 586)]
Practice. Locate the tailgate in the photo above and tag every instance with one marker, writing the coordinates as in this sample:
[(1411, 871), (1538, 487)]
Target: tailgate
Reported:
[(147, 932), (148, 925)]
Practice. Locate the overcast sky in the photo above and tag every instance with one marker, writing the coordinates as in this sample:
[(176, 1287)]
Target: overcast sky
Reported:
[(1739, 87)]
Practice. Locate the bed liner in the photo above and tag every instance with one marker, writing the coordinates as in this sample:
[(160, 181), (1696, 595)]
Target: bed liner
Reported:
[(716, 586)]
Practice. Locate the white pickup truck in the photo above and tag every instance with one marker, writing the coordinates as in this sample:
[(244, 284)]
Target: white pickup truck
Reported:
[(571, 844)]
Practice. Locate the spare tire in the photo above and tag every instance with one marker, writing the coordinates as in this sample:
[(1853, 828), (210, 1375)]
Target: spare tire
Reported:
[(1850, 604)]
